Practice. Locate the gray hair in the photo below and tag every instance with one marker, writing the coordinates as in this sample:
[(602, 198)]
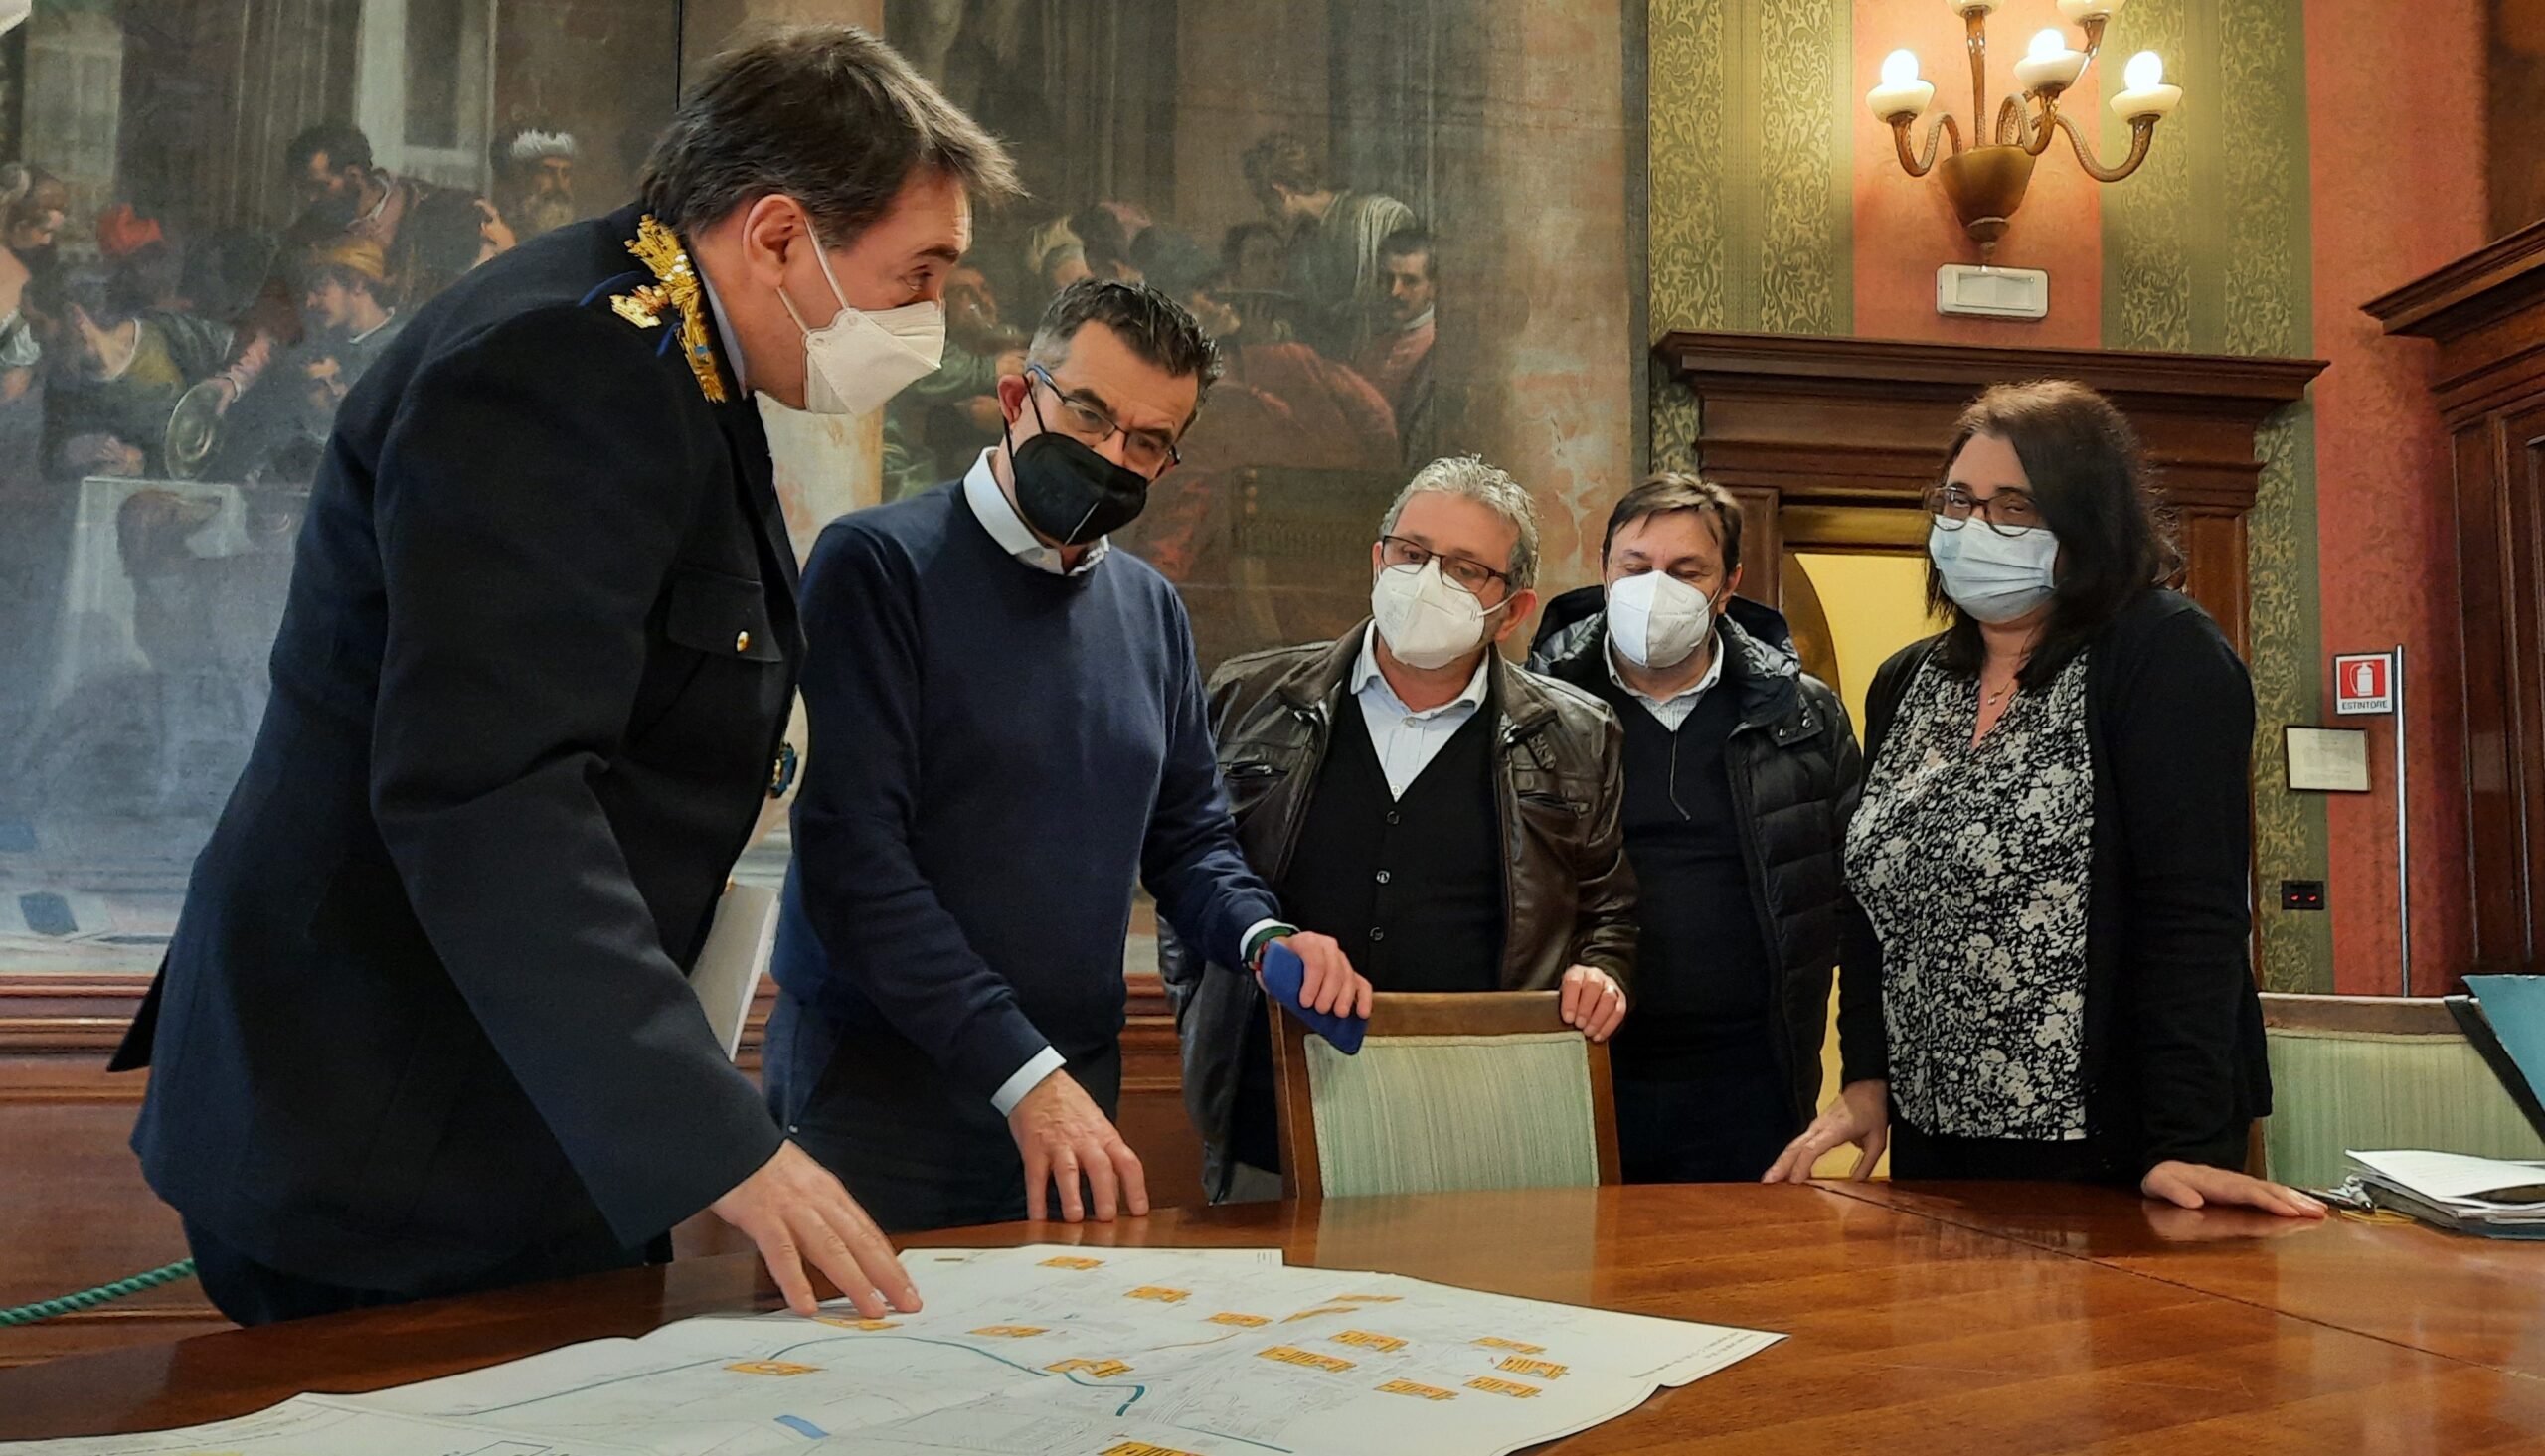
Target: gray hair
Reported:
[(1469, 478), (827, 114)]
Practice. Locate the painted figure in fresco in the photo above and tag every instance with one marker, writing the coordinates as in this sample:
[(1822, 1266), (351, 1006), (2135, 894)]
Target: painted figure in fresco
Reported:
[(1336, 237), (935, 428), (348, 318), (124, 360), (1398, 355), (535, 180), (342, 192), (450, 234)]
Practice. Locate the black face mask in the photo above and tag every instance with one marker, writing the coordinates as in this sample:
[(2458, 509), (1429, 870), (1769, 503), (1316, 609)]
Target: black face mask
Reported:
[(1069, 493)]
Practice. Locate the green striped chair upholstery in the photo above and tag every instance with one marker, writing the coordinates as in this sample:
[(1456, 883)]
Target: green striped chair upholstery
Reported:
[(2379, 1071), (1449, 1094)]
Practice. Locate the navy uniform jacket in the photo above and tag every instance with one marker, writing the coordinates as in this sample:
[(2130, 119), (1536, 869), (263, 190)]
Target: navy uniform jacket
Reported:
[(426, 1006)]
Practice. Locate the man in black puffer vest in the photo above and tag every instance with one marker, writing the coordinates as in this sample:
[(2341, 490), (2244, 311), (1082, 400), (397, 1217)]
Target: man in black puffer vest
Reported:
[(1741, 772)]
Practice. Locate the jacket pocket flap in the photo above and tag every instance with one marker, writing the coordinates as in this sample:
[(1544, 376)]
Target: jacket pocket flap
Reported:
[(722, 615)]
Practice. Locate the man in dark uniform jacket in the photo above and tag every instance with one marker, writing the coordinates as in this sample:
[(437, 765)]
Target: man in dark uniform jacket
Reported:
[(424, 1026)]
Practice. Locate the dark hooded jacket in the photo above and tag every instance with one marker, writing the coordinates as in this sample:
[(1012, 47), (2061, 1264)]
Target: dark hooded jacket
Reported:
[(1795, 774)]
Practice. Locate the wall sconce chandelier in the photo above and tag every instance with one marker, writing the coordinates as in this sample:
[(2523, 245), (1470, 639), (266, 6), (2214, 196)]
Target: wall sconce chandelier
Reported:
[(1987, 181)]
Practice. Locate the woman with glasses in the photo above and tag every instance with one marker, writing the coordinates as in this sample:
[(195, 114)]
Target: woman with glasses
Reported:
[(2053, 845)]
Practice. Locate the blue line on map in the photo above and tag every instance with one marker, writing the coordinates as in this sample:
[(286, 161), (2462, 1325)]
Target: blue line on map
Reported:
[(802, 1427)]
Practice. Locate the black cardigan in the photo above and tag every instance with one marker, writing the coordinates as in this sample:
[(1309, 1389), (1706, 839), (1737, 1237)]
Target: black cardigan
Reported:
[(2174, 1063)]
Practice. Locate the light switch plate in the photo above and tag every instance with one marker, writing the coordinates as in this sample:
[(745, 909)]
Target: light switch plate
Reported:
[(1980, 292)]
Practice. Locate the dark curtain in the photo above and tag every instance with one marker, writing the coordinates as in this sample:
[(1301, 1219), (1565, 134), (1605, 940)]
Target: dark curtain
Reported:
[(214, 91), (1084, 90), (1390, 77)]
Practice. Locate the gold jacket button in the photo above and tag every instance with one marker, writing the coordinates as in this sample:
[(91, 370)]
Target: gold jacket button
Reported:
[(741, 641)]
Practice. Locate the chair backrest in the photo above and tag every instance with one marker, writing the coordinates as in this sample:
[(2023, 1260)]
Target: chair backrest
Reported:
[(2379, 1071), (1448, 1093)]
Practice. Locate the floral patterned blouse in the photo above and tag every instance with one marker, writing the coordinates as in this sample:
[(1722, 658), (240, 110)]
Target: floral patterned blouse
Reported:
[(1970, 862)]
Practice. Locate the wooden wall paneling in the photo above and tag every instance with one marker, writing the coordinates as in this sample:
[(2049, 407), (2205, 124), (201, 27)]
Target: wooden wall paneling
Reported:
[(74, 1210), (2486, 314)]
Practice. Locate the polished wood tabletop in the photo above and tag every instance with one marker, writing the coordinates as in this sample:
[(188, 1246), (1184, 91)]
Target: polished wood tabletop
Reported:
[(1947, 1318)]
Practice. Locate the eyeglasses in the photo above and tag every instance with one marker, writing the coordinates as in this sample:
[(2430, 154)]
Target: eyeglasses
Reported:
[(1144, 450), (2009, 511), (1474, 576)]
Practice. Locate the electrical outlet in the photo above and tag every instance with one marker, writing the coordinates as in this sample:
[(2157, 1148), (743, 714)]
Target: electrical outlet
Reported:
[(2301, 895)]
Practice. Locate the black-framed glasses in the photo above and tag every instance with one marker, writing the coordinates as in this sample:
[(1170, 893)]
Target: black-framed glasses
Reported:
[(2009, 511), (1467, 572), (1144, 450)]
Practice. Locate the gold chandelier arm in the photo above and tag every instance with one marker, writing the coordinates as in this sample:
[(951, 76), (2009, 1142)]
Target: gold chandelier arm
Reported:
[(1918, 164), (1975, 36), (2016, 128), (2142, 130)]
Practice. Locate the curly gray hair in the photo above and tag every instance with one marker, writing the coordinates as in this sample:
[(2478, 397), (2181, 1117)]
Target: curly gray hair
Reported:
[(1467, 476)]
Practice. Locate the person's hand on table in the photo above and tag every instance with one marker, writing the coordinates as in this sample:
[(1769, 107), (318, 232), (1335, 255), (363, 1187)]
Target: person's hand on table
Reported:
[(1592, 1001), (1063, 1137), (1327, 983), (1859, 1115), (794, 1210), (2199, 1185)]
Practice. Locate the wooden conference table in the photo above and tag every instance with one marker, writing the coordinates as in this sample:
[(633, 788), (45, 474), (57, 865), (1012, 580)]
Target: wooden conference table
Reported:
[(1959, 1319)]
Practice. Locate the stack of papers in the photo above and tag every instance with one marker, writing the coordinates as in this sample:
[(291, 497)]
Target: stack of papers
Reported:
[(1041, 1350), (2485, 1196)]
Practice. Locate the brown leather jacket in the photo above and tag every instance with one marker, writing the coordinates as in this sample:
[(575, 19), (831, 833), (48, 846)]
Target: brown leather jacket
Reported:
[(1569, 898)]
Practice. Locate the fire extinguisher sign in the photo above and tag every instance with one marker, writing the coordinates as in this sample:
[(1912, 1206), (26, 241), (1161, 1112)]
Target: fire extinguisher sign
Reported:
[(2363, 682)]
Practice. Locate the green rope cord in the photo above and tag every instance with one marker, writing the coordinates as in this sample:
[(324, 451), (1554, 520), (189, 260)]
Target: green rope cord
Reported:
[(27, 1314)]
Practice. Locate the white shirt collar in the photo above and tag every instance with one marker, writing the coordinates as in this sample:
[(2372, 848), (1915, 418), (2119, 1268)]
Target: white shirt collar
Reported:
[(375, 328), (997, 514), (1713, 674), (1366, 670), (725, 335)]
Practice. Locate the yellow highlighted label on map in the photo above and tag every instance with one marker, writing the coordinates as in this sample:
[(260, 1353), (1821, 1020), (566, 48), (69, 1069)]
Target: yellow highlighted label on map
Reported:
[(1326, 1309), (1009, 1332), (1072, 1262), (771, 1368), (1368, 1341), (1490, 1342), (1160, 1293), (1366, 1298), (1290, 1354), (1143, 1448), (1492, 1387), (1103, 1369), (1244, 1322), (837, 1322), (1545, 1370), (1409, 1387)]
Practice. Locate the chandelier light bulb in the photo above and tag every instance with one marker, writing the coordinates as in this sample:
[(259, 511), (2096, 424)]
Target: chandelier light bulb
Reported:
[(1900, 68), (2146, 71), (2046, 44)]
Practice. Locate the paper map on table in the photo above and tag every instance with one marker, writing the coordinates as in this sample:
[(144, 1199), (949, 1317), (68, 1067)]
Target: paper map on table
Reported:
[(1035, 1349)]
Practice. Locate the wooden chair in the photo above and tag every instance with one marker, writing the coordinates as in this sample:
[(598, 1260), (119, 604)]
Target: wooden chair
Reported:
[(2379, 1071), (1448, 1093)]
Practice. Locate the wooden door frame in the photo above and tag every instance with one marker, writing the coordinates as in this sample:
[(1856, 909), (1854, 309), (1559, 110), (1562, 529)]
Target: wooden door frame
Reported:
[(1848, 433)]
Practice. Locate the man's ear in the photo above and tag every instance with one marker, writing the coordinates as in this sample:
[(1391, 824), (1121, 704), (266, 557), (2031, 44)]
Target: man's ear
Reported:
[(1011, 396), (770, 227), (1732, 586), (1522, 606)]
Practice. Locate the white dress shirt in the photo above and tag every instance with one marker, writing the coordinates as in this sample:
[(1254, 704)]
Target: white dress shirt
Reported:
[(1407, 741), (1674, 709), (998, 516)]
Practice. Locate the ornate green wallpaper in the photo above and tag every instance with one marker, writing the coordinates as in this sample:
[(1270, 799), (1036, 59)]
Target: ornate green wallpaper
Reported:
[(2206, 249), (1752, 227)]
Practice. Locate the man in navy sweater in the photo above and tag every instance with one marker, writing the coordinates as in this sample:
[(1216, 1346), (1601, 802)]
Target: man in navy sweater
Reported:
[(1007, 730)]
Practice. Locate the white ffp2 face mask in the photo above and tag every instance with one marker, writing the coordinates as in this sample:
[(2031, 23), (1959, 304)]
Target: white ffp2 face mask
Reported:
[(1657, 620), (859, 360), (1994, 575), (1428, 619)]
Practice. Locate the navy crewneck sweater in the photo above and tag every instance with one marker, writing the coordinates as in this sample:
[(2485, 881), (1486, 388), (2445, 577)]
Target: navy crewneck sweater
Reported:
[(997, 754)]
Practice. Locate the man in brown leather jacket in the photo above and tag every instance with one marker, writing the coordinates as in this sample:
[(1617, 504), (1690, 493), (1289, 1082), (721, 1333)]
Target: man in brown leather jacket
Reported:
[(1451, 818)]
